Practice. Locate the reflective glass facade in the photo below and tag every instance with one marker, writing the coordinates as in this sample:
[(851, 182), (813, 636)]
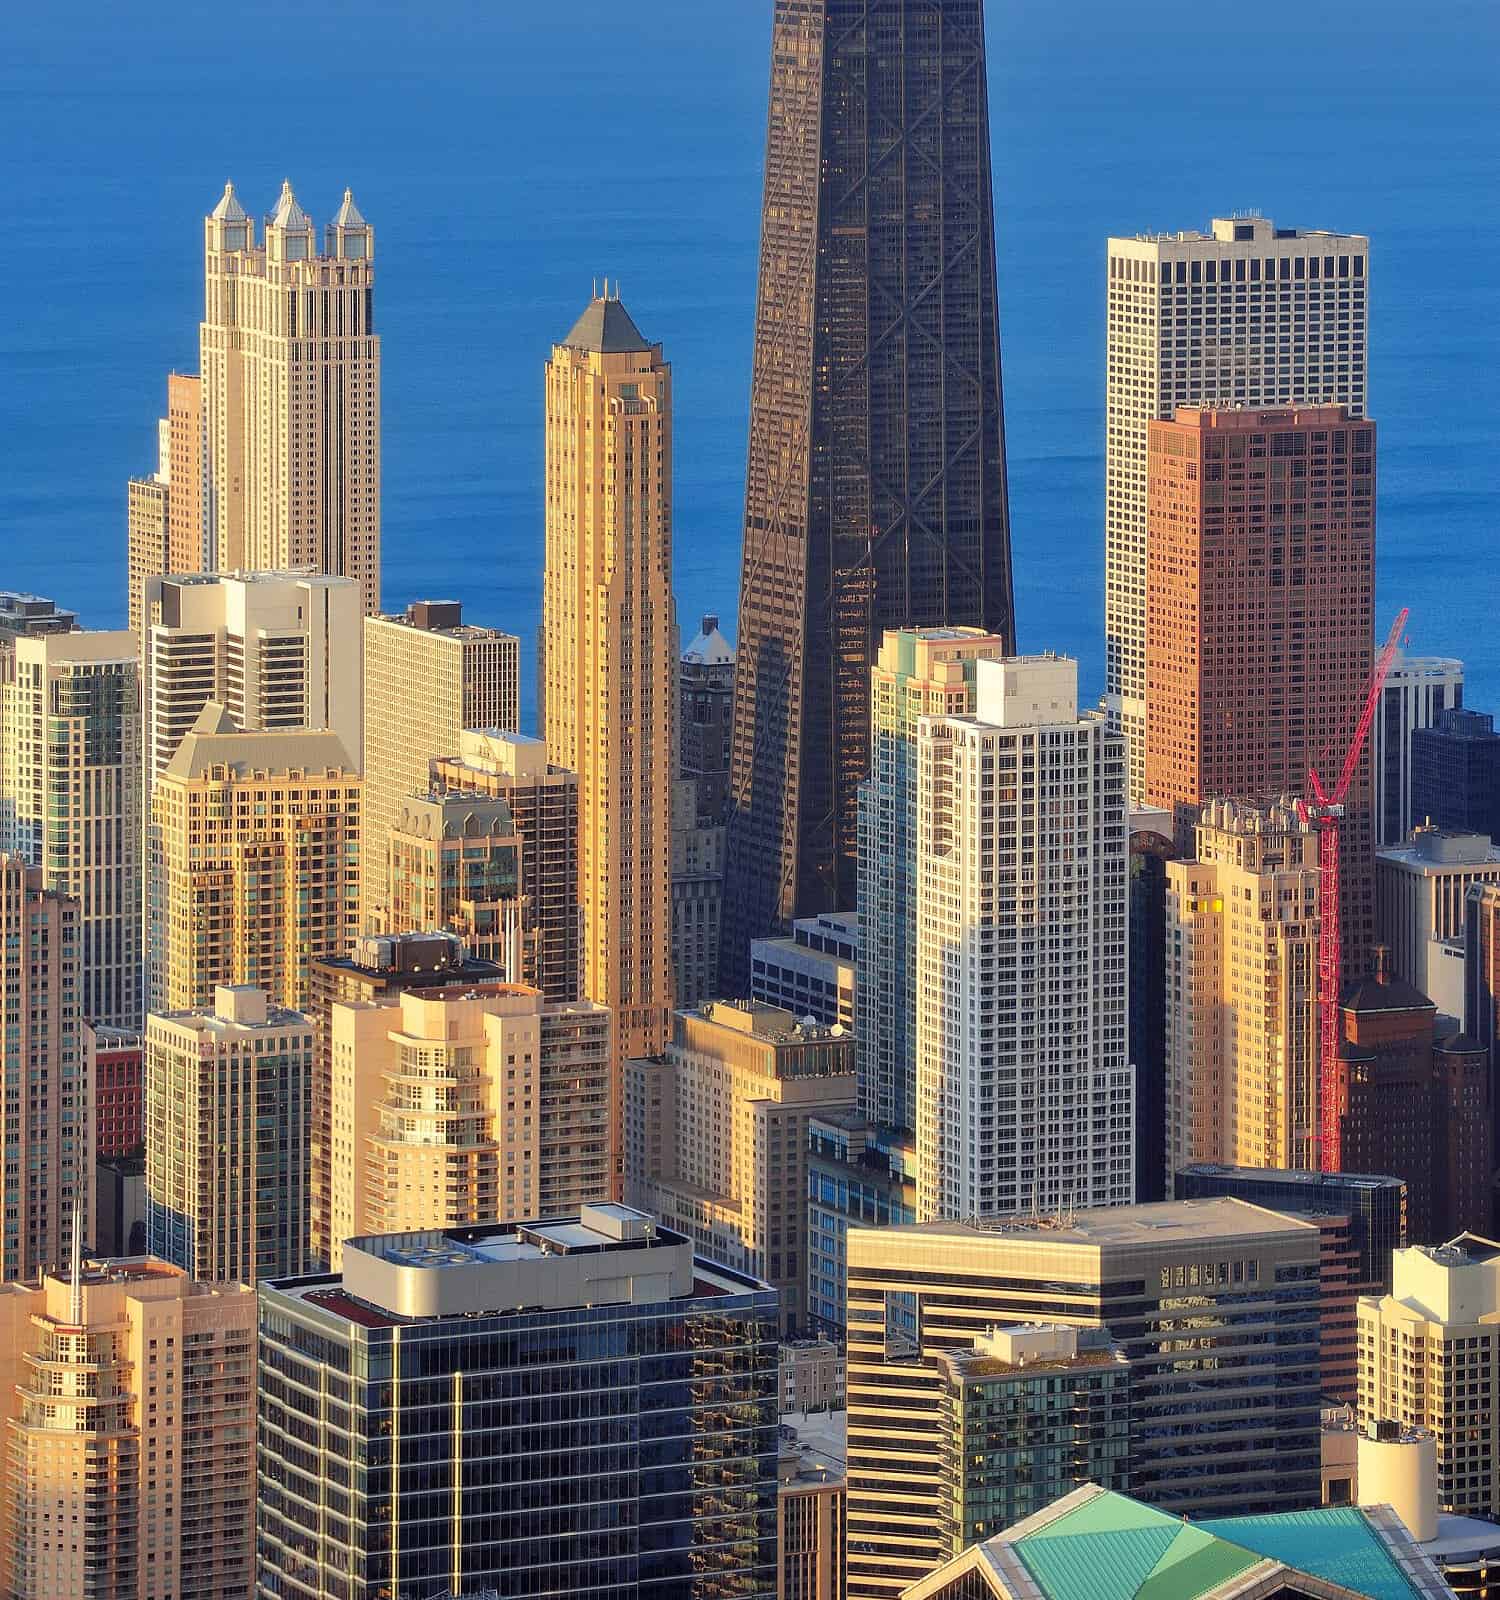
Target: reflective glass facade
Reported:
[(611, 1451)]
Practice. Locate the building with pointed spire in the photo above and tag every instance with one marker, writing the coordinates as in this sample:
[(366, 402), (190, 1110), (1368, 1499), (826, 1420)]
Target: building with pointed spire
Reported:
[(609, 674), (290, 365)]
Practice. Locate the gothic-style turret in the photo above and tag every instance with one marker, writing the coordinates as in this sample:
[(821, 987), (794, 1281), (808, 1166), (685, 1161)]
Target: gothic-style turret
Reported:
[(349, 237), (289, 232)]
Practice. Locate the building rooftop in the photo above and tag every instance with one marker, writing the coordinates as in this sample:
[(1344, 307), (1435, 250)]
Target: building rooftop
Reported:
[(708, 647), (608, 1254), (606, 326), (766, 1021), (215, 741), (1435, 850), (1096, 1545), (1167, 1223), (1288, 1175)]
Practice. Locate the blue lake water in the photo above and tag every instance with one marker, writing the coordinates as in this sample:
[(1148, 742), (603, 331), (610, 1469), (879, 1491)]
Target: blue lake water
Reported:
[(509, 154)]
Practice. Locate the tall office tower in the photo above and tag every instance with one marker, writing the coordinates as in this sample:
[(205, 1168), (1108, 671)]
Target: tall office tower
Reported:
[(274, 648), (920, 672), (1226, 1420), (1455, 772), (70, 798), (543, 804), (164, 513), (609, 638), (1260, 621), (1417, 689), (377, 971), (1481, 1011), (1248, 315), (1362, 1219), (228, 1121), (705, 695), (290, 365), (1150, 852), (255, 840), (453, 1107), (811, 974), (428, 676), (1421, 888), (1414, 1100), (1430, 1358), (1028, 1414), (48, 1147), (716, 1135), (1241, 952), (130, 1435), (875, 496), (546, 1499), (1024, 1095), (454, 864)]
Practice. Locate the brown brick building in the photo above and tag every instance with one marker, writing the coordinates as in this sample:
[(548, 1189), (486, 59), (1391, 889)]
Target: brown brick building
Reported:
[(1260, 617), (1415, 1103)]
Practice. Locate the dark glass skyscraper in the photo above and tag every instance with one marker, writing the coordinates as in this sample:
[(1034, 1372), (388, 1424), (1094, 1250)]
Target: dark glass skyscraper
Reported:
[(875, 494)]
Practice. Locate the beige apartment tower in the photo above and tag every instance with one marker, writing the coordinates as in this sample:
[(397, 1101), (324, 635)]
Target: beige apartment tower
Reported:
[(228, 1103), (716, 1135), (1247, 314), (129, 1411), (455, 1106), (290, 366), (542, 800), (427, 677), (1242, 927), (70, 774), (47, 1154), (1429, 1357), (256, 856), (164, 512), (609, 670)]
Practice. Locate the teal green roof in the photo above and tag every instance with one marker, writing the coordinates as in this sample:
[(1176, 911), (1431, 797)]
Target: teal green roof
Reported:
[(1113, 1548), (1337, 1543)]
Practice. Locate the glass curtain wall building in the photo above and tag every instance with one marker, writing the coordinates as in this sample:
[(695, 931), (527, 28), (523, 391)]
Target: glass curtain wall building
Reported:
[(561, 1408)]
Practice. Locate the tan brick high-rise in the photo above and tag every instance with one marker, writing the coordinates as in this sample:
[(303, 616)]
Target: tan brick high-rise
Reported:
[(291, 393), (608, 659), (165, 511), (1260, 618)]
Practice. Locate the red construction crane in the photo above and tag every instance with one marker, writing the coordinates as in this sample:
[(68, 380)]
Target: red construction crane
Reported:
[(1325, 810)]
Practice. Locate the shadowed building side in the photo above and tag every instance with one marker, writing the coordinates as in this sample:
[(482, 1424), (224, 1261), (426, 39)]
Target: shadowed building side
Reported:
[(875, 493)]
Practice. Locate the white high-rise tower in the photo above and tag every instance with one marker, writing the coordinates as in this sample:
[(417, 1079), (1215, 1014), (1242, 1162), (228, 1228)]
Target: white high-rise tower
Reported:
[(1025, 1097), (1247, 314)]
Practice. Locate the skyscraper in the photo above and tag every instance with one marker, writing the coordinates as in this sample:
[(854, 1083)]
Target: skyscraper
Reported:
[(129, 1419), (1225, 1414), (464, 1105), (609, 666), (228, 1137), (543, 803), (876, 493), (46, 1153), (164, 513), (1024, 1096), (1241, 952), (290, 366), (1417, 689), (558, 1456), (1247, 314), (70, 798), (920, 672), (1260, 622), (428, 675), (1455, 772), (255, 840), (275, 649)]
